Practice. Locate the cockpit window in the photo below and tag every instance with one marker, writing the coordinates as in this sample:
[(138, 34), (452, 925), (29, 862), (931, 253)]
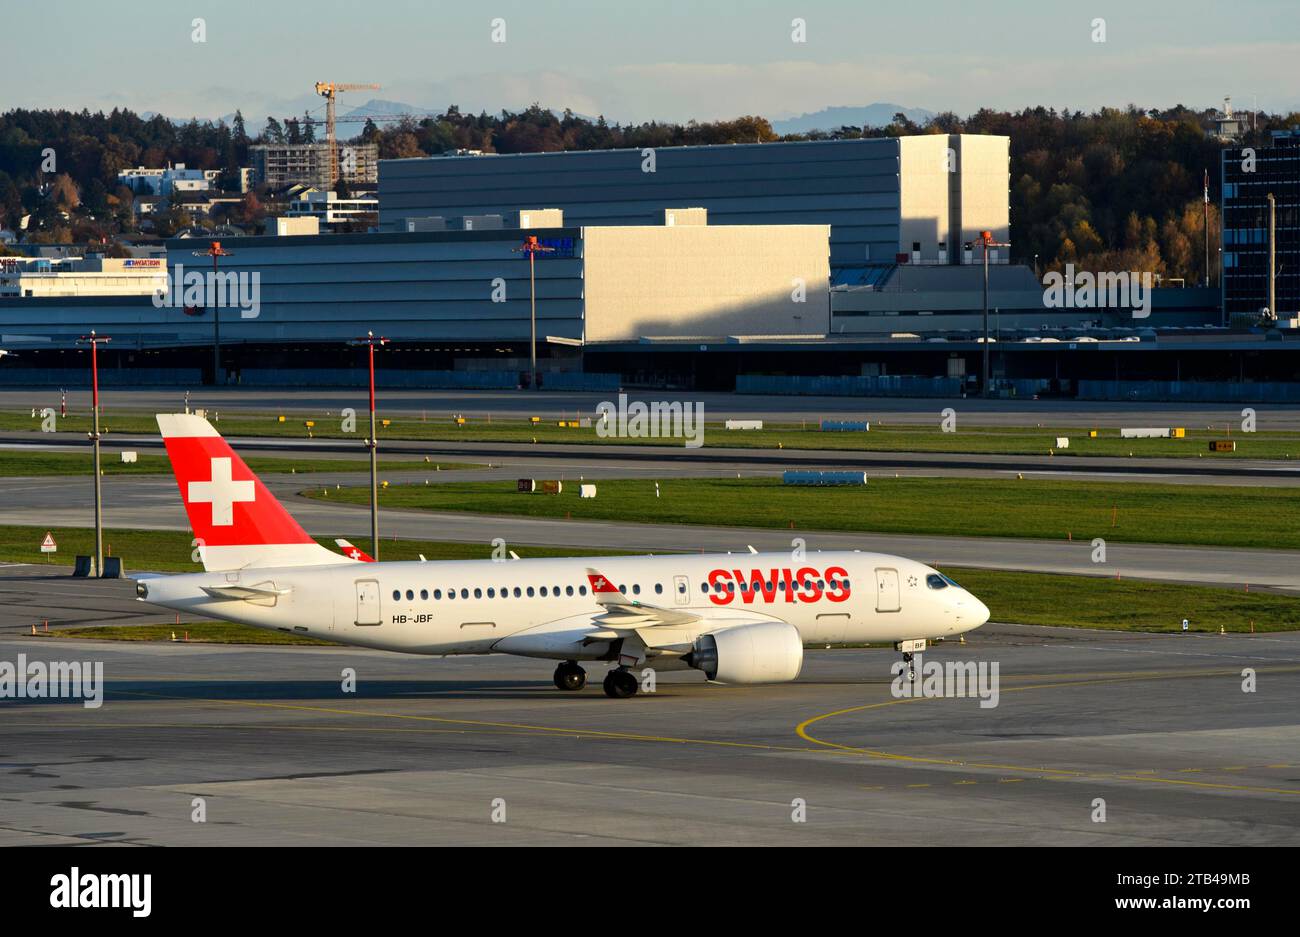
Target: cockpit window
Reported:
[(935, 581), (950, 582)]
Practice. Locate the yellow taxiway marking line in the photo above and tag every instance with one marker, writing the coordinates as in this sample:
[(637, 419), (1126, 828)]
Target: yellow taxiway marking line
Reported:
[(477, 723), (1042, 771)]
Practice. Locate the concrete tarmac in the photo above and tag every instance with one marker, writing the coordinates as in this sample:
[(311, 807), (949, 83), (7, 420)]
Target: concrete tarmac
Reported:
[(1097, 739)]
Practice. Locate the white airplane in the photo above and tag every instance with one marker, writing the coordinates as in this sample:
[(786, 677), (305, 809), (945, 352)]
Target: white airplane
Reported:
[(740, 619)]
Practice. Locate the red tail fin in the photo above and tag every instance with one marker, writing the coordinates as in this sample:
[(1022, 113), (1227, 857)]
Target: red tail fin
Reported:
[(236, 520)]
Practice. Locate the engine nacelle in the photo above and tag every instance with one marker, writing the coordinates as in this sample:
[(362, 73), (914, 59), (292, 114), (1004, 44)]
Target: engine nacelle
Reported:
[(765, 652)]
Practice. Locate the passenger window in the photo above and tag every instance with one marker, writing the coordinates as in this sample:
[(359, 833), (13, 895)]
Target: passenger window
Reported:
[(437, 594), (464, 593), (492, 593), (410, 594), (636, 588), (568, 590), (424, 594), (397, 595), (659, 588), (543, 591), (478, 593), (518, 592), (530, 592)]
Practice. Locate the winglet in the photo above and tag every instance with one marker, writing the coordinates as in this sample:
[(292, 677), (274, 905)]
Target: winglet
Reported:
[(353, 552), (600, 584), (604, 591)]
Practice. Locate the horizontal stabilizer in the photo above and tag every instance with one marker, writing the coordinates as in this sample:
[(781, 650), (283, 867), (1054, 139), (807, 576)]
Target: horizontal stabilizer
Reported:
[(245, 593)]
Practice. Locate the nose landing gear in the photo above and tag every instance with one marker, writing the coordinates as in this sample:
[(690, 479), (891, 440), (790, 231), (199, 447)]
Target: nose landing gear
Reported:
[(908, 648), (569, 676)]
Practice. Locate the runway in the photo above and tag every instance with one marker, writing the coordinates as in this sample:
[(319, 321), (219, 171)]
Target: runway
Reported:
[(430, 751), (683, 462), (717, 406)]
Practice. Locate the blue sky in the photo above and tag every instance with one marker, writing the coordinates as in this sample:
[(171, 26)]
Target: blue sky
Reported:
[(650, 59)]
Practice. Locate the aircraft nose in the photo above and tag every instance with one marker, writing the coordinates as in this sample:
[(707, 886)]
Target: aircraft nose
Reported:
[(969, 611)]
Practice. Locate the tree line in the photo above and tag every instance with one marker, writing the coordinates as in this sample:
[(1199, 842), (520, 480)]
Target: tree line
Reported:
[(1112, 189)]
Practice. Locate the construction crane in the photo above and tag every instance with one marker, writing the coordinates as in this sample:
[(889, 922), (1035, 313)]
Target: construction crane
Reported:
[(328, 90)]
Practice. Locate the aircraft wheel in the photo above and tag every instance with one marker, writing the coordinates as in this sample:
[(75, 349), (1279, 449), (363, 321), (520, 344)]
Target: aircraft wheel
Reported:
[(620, 684), (569, 676)]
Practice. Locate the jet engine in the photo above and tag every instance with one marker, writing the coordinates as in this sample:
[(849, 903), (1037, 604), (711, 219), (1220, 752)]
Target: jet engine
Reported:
[(764, 652)]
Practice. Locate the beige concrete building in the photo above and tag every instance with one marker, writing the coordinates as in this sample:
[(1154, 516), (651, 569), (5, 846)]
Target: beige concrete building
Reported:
[(699, 279), (952, 187), (82, 276)]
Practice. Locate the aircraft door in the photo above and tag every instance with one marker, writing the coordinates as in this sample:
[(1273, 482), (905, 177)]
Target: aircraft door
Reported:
[(887, 599), (368, 602), (681, 590)]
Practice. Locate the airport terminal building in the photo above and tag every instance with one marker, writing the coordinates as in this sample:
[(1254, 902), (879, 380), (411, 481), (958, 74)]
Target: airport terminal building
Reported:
[(922, 196), (683, 267)]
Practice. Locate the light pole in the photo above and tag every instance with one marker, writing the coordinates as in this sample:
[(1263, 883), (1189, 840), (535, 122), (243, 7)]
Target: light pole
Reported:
[(532, 248), (373, 444), (986, 239), (1206, 202), (94, 341), (215, 251)]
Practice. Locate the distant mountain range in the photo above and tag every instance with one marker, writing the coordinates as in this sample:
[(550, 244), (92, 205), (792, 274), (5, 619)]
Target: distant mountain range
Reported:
[(880, 114)]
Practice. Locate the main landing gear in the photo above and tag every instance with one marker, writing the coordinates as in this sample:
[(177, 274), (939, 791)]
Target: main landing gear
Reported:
[(620, 684), (569, 676)]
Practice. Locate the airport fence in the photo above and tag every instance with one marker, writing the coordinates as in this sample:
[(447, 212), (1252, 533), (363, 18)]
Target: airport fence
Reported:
[(1191, 391), (849, 385)]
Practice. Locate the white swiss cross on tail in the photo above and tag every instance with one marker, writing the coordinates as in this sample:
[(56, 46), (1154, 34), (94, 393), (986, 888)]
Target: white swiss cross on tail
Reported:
[(600, 585), (213, 480), (222, 492)]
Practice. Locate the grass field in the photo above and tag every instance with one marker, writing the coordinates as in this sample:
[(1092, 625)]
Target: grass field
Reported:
[(1023, 598), (170, 550), (199, 632), (1230, 516), (901, 437), (1125, 605), (15, 463)]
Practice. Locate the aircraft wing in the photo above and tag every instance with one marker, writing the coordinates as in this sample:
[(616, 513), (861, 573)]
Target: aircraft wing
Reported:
[(624, 614)]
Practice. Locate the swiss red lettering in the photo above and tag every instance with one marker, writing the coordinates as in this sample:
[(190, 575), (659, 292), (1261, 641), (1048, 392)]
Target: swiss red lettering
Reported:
[(719, 594), (837, 581)]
